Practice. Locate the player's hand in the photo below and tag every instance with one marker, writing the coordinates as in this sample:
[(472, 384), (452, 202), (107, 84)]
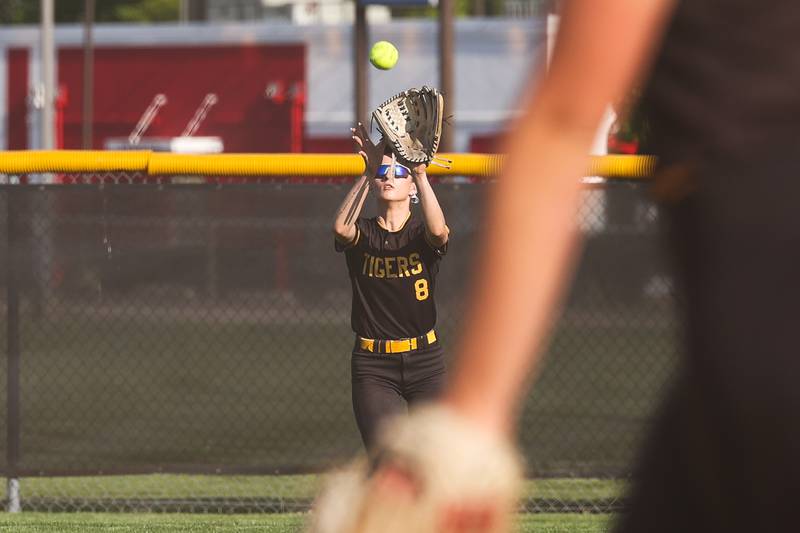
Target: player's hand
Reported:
[(434, 472), (371, 153), (419, 171)]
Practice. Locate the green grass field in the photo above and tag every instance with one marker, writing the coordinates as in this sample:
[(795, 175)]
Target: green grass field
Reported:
[(173, 493), (94, 492), (301, 487), (269, 523)]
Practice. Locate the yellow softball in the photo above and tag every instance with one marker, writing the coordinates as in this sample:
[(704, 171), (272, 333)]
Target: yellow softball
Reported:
[(383, 55)]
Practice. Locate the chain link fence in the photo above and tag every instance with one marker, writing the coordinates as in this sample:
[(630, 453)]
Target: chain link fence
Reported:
[(185, 346)]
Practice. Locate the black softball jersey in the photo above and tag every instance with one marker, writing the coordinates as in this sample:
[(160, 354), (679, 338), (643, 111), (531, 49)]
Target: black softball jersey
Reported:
[(393, 275)]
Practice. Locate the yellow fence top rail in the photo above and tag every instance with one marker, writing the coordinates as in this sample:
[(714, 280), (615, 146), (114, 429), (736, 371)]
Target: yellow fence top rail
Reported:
[(161, 164)]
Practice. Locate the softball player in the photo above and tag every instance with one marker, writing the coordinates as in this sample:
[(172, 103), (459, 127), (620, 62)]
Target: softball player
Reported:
[(392, 260)]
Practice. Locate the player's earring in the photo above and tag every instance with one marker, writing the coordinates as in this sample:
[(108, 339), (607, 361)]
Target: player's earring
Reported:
[(414, 198)]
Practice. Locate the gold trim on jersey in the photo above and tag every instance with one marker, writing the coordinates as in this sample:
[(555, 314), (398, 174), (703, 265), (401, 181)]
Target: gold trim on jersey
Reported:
[(380, 222)]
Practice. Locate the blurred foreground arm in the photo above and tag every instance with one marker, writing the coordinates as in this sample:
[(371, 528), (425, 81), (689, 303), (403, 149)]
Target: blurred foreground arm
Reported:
[(601, 48)]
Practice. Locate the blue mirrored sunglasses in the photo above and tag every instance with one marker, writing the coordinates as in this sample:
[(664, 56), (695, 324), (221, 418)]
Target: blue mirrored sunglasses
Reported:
[(399, 171)]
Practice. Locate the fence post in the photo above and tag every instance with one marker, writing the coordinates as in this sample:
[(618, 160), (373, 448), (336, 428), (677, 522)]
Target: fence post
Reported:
[(212, 260), (13, 355)]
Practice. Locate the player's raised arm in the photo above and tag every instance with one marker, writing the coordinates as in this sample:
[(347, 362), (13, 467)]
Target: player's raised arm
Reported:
[(344, 228), (435, 226)]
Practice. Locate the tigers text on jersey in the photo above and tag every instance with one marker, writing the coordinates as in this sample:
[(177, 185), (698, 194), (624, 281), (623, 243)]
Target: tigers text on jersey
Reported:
[(393, 274)]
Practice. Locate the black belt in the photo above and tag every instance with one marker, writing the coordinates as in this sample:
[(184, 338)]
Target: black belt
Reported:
[(397, 345)]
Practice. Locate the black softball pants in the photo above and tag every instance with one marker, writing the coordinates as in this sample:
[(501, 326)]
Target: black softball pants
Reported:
[(387, 384), (724, 454)]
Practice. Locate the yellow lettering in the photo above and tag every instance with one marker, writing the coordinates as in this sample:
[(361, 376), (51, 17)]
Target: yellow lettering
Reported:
[(421, 289), (413, 260), (366, 262), (391, 267), (389, 261), (402, 267)]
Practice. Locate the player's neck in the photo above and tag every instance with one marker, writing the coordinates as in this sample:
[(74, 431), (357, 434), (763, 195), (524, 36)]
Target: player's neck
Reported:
[(393, 215)]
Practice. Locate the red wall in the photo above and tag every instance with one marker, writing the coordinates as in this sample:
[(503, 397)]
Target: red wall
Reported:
[(328, 145), (17, 98), (485, 144), (127, 78)]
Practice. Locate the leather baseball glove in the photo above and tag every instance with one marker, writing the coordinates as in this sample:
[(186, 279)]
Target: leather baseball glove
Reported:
[(461, 479), (411, 122)]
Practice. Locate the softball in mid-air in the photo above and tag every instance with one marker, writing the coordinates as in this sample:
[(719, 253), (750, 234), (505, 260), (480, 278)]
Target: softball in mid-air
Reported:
[(383, 55)]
